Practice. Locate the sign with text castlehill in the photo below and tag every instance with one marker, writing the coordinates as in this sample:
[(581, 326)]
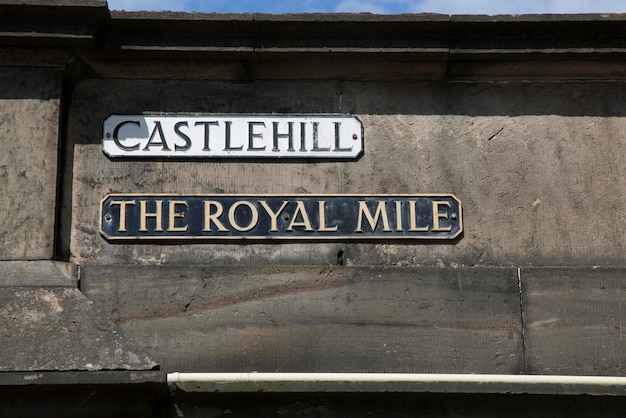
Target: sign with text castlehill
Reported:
[(280, 217), (228, 136)]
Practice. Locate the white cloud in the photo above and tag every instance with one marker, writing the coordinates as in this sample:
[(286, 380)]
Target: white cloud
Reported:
[(493, 7), (226, 6), (356, 6), (381, 6), (146, 5)]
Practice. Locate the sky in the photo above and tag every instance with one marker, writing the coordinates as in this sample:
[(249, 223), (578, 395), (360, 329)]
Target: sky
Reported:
[(489, 7)]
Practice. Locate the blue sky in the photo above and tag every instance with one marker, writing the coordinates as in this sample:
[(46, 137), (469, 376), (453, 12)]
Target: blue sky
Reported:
[(490, 7)]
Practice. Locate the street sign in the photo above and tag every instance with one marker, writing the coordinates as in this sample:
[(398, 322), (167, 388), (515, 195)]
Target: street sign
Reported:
[(233, 136), (280, 217)]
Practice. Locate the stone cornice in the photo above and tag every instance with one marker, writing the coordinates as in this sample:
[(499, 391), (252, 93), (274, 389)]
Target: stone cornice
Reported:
[(88, 39)]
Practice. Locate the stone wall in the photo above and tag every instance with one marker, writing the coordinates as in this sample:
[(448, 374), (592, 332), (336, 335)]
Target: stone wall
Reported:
[(526, 132), (537, 166), (29, 122)]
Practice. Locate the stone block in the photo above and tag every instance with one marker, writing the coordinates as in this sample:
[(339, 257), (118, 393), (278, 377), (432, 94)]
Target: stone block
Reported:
[(574, 320), (46, 324), (316, 319), (29, 122), (38, 274)]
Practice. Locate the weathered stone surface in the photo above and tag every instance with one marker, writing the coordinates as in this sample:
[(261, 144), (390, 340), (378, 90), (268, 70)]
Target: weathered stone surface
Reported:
[(397, 405), (574, 320), (50, 23), (29, 122), (538, 167), (59, 329), (107, 377), (209, 318), (418, 386), (137, 394), (46, 324), (38, 274)]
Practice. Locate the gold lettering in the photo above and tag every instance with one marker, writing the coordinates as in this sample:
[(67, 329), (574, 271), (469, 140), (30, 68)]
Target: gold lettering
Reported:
[(122, 204), (273, 215), (322, 212), (173, 215), (300, 210), (413, 217), (381, 211), (437, 215), (144, 214), (213, 217), (398, 215), (253, 219)]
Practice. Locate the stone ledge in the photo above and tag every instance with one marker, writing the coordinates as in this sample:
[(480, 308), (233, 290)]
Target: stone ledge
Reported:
[(250, 46), (83, 394), (38, 274), (51, 22), (81, 378), (395, 405), (406, 387)]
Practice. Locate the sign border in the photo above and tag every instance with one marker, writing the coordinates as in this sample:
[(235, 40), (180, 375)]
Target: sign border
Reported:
[(242, 156), (259, 239)]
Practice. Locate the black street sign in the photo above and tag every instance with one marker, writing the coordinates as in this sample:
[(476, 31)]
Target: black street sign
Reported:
[(280, 217)]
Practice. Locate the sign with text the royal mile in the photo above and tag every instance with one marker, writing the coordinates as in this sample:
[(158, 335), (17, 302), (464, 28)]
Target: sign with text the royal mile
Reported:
[(233, 136), (280, 217)]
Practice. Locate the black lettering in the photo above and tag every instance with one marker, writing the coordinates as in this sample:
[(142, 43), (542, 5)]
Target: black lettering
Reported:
[(302, 136), (338, 139), (159, 129), (252, 135), (288, 135), (183, 136), (316, 138), (116, 133), (206, 132), (227, 138)]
